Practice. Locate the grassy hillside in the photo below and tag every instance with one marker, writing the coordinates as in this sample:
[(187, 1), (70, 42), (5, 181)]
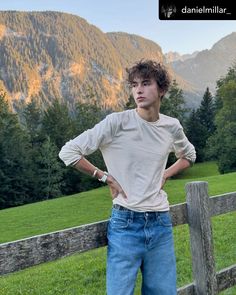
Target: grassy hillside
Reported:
[(65, 212), (84, 274)]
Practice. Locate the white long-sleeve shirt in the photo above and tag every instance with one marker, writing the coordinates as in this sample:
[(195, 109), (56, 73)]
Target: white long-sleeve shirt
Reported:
[(135, 152)]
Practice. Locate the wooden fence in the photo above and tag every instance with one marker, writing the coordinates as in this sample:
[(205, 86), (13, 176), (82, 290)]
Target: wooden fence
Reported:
[(196, 212)]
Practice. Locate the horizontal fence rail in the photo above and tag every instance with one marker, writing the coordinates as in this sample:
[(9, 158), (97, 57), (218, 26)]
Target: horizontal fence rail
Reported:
[(31, 251), (226, 278), (222, 204)]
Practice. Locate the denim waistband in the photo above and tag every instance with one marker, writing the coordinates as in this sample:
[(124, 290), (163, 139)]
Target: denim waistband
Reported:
[(136, 213)]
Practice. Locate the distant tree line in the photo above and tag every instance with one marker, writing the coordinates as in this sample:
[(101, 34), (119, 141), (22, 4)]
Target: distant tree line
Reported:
[(30, 141), (30, 169), (212, 127)]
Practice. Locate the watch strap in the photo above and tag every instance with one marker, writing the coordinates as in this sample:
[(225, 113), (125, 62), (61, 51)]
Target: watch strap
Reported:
[(104, 177)]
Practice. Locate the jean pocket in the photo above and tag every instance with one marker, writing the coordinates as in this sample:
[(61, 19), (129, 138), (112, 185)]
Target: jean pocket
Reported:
[(165, 219), (119, 222)]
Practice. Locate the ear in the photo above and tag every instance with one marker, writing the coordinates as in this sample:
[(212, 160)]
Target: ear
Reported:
[(162, 93)]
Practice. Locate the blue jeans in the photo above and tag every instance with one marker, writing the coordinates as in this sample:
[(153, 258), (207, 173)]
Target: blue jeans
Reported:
[(140, 240)]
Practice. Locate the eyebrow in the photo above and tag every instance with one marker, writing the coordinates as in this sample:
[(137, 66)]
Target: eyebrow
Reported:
[(142, 81)]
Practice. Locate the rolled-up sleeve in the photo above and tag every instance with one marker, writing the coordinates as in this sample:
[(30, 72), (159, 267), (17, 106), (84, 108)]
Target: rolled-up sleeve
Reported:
[(88, 141), (182, 146)]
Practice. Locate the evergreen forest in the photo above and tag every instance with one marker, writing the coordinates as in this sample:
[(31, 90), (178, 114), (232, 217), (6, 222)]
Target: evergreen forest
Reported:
[(30, 140)]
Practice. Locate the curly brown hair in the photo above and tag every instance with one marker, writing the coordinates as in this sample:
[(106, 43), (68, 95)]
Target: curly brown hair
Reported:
[(148, 69)]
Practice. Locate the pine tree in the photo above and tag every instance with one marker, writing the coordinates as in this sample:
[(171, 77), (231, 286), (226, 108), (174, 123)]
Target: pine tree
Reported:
[(206, 112), (32, 122), (196, 134), (15, 166), (49, 171), (87, 115), (200, 126), (222, 144), (226, 128), (57, 123), (32, 115), (173, 103)]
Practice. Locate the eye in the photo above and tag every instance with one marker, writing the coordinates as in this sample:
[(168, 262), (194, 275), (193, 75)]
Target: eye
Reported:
[(146, 83)]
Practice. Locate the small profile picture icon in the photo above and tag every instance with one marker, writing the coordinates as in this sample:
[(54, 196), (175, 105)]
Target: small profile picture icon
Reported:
[(168, 10)]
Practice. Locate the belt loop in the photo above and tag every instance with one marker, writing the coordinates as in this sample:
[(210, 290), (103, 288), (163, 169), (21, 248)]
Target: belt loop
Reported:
[(131, 215)]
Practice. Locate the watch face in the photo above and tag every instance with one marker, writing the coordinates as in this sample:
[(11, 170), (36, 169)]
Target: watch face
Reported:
[(104, 177)]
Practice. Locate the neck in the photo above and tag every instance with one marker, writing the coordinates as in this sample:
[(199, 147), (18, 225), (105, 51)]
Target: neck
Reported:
[(150, 115)]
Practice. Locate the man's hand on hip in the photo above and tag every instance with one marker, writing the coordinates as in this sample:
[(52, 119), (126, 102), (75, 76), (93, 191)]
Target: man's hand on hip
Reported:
[(115, 187)]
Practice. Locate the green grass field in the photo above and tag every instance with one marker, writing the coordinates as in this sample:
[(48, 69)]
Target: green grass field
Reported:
[(84, 274)]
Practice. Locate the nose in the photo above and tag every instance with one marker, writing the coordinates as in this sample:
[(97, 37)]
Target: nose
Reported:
[(139, 89)]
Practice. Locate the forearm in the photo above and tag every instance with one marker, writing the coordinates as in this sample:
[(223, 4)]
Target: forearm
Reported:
[(88, 168), (177, 167)]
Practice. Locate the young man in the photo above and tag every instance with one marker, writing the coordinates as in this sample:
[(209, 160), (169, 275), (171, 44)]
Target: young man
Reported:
[(135, 145)]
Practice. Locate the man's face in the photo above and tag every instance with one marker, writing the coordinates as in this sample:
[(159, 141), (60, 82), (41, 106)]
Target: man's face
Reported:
[(146, 93)]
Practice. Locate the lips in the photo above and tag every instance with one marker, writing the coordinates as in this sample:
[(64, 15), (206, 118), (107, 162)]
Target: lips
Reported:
[(140, 98)]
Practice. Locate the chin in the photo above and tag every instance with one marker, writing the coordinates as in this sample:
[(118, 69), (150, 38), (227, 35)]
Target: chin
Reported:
[(143, 105)]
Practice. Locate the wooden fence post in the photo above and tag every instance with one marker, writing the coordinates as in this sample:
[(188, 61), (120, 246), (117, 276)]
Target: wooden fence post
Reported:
[(201, 238)]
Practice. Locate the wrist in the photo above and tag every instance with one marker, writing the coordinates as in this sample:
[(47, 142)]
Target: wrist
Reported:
[(104, 177), (166, 175), (99, 174)]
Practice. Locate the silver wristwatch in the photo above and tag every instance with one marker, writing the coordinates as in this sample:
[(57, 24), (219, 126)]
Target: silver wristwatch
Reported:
[(104, 177)]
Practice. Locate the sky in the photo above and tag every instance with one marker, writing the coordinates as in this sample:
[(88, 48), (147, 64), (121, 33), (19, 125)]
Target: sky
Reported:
[(138, 17)]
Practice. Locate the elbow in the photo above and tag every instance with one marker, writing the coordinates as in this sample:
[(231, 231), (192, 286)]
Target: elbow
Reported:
[(191, 159), (69, 156), (62, 155)]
